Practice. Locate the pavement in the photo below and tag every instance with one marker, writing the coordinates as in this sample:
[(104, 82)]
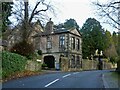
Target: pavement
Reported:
[(111, 80)]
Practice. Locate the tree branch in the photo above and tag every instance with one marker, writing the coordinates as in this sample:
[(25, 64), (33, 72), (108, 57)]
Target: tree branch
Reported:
[(111, 17), (32, 15), (43, 10), (111, 11), (36, 12)]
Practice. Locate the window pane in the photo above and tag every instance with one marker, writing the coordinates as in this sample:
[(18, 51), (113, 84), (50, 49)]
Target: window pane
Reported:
[(73, 61), (49, 44), (73, 43), (62, 41), (77, 44)]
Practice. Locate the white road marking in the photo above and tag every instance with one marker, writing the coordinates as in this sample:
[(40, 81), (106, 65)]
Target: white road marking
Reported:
[(66, 75), (51, 82), (105, 83), (76, 73)]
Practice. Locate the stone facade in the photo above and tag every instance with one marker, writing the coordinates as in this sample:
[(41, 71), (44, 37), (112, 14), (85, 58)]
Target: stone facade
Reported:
[(55, 43)]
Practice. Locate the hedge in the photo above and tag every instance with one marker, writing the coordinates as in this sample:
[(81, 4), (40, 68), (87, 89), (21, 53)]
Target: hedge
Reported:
[(12, 63)]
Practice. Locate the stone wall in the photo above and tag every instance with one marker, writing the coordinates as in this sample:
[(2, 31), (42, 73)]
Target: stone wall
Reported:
[(33, 65), (86, 65), (64, 64), (107, 65), (89, 64), (93, 65)]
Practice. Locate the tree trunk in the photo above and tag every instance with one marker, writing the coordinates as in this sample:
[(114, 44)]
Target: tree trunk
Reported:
[(25, 22)]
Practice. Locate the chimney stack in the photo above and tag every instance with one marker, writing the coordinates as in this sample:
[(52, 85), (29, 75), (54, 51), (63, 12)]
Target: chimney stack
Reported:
[(49, 27)]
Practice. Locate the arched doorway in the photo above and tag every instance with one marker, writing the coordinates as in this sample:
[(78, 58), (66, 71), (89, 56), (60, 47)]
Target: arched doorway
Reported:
[(50, 61)]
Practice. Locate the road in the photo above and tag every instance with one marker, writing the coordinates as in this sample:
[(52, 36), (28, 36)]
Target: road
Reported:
[(84, 79)]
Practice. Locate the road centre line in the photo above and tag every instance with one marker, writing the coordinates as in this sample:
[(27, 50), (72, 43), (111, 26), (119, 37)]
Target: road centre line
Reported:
[(58, 79), (66, 75), (76, 73), (51, 82)]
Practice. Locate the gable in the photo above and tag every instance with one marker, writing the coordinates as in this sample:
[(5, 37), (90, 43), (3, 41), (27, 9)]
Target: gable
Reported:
[(76, 32), (38, 28)]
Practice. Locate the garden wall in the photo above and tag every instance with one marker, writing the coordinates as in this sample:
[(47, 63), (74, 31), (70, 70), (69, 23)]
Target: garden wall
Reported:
[(93, 65), (86, 65), (33, 65), (89, 65), (64, 64)]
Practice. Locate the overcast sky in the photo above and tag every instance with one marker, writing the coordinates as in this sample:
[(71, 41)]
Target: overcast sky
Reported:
[(80, 10)]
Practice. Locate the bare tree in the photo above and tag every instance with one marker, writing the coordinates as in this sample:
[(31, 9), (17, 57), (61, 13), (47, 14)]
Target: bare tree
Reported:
[(26, 14), (110, 12)]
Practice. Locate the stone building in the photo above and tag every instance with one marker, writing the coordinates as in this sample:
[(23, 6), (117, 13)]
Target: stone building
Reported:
[(14, 35), (55, 43)]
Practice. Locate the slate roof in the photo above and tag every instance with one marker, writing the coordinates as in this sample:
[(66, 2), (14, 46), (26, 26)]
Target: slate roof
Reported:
[(61, 30), (56, 31)]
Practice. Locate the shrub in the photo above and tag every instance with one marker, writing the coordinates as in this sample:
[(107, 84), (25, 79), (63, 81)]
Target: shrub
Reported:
[(114, 59), (44, 65), (39, 52), (23, 48), (12, 63)]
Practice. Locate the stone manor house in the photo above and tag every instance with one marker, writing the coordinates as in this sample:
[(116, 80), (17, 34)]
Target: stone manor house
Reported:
[(54, 43)]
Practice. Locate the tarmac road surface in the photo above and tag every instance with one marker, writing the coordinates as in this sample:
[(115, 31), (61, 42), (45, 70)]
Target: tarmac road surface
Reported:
[(83, 79)]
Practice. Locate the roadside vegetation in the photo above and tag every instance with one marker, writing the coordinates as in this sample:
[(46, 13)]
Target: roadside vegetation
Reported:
[(13, 66), (12, 63)]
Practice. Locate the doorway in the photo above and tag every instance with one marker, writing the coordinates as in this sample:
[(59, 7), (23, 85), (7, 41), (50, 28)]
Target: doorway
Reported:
[(49, 61)]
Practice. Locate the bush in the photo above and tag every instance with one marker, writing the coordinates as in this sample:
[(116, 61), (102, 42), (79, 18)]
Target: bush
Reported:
[(12, 63), (114, 59), (44, 65), (23, 48), (39, 52)]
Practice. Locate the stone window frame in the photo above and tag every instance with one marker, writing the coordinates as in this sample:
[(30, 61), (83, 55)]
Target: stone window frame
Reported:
[(49, 42), (77, 44), (62, 41), (78, 60), (72, 43), (72, 61)]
